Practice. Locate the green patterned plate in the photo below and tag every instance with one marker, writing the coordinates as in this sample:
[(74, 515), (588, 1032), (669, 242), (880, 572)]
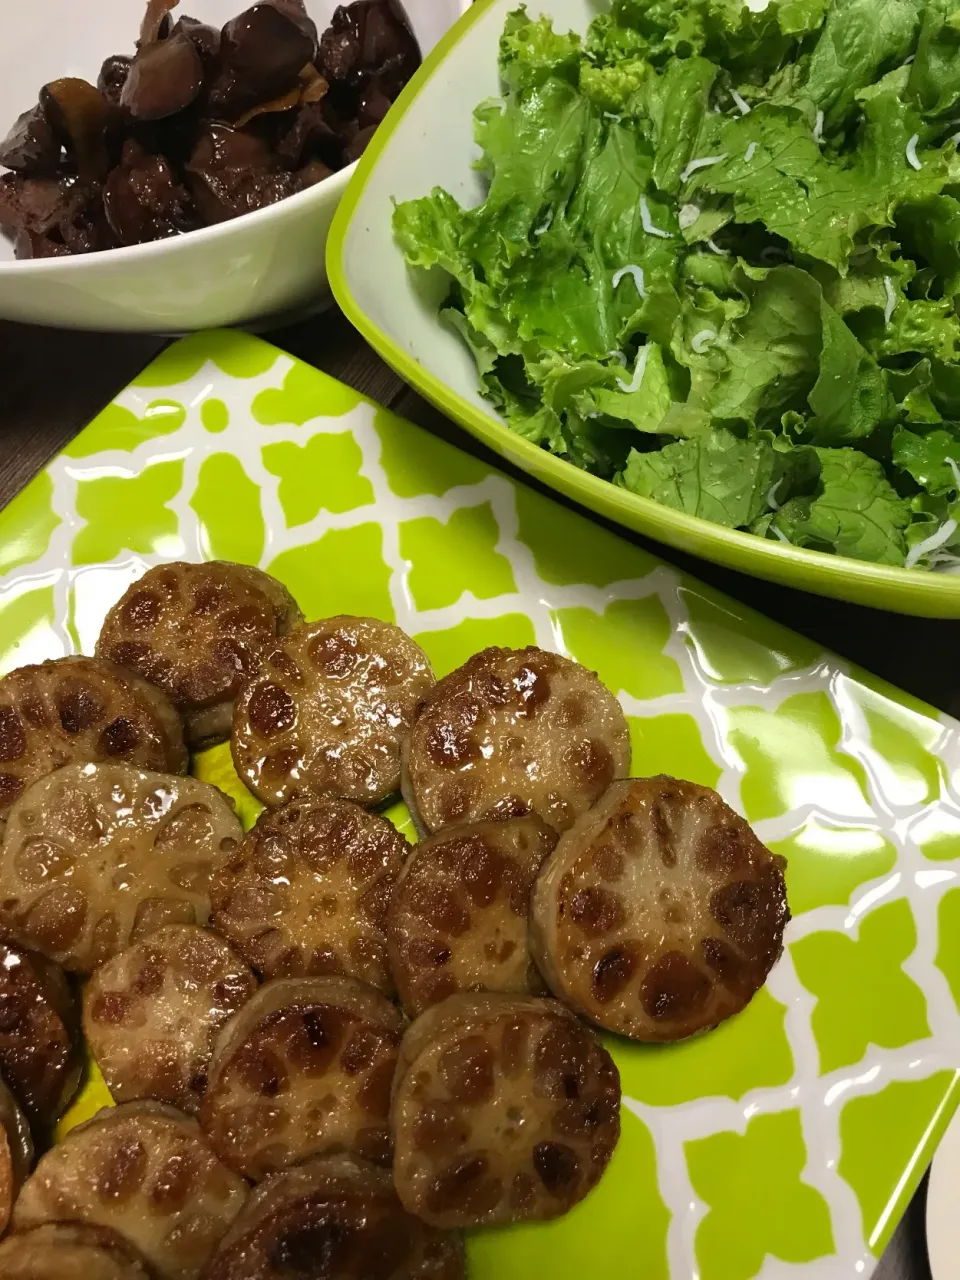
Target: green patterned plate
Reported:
[(797, 1132)]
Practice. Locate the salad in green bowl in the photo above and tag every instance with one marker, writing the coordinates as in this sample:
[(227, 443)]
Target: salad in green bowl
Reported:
[(719, 262)]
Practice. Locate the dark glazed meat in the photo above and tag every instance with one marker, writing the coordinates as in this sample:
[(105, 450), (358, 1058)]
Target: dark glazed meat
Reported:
[(31, 145), (163, 78), (262, 52), (231, 172), (199, 125), (660, 913), (142, 200)]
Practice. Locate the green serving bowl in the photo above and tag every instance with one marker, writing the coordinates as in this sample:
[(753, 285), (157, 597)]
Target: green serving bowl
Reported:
[(427, 141)]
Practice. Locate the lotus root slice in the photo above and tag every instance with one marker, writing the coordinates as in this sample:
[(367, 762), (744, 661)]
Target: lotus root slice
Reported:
[(511, 732), (197, 631), (458, 917), (307, 891), (304, 1069), (145, 1171), (70, 1251), (77, 709), (327, 709), (16, 1153), (151, 1015), (660, 913), (505, 1109), (96, 856), (38, 1021), (334, 1217)]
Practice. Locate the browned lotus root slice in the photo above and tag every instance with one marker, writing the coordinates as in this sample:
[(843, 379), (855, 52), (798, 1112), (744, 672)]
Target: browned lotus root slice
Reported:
[(16, 1153), (458, 917), (81, 709), (328, 709), (38, 1022), (514, 731), (97, 855), (148, 1173), (333, 1218), (70, 1251), (307, 891), (197, 631), (660, 913), (303, 1069), (505, 1109), (152, 1013)]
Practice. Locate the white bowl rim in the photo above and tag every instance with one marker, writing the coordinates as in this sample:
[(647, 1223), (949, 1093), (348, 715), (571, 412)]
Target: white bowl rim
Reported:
[(75, 263)]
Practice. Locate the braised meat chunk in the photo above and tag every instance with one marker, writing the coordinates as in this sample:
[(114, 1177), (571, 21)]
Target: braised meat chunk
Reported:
[(200, 125)]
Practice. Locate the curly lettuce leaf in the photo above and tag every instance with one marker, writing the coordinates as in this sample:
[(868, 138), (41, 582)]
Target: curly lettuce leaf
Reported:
[(861, 39), (855, 511), (849, 396), (528, 180), (531, 52), (934, 82), (775, 173), (563, 297), (652, 406), (616, 89), (718, 476), (770, 354), (928, 457), (929, 229), (430, 233), (676, 102)]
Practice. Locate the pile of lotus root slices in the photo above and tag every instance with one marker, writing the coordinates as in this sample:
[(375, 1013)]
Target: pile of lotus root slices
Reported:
[(330, 1049)]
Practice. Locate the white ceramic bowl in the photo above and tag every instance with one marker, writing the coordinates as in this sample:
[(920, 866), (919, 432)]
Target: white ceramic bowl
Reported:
[(943, 1196), (267, 263)]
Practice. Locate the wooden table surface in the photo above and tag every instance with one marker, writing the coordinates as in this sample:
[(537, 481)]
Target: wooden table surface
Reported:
[(53, 382)]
